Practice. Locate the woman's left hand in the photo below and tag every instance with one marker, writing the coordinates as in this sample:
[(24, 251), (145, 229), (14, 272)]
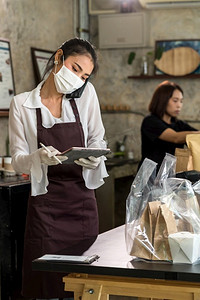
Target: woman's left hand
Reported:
[(89, 163)]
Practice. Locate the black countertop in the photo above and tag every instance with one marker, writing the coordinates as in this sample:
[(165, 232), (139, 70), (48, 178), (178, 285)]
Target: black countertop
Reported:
[(115, 261), (112, 162)]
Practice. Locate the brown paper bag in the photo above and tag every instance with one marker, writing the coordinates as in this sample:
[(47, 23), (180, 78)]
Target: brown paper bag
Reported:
[(151, 238), (142, 244), (140, 247), (183, 160), (193, 143), (165, 225)]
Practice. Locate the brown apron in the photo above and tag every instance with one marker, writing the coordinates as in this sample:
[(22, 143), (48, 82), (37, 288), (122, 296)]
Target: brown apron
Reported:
[(63, 217)]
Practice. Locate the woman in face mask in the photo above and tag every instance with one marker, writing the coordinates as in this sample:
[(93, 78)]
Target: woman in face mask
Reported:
[(61, 112)]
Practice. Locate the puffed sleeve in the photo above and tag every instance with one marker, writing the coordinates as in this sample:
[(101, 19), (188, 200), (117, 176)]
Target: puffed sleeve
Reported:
[(94, 135), (24, 159)]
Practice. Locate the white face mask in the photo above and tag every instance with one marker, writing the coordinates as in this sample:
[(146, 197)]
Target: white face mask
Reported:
[(66, 81)]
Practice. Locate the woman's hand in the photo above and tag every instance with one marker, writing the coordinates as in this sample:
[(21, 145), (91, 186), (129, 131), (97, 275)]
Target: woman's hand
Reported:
[(89, 163), (48, 156)]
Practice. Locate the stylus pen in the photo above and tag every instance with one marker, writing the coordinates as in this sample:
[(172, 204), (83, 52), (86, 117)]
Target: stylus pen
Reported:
[(47, 149)]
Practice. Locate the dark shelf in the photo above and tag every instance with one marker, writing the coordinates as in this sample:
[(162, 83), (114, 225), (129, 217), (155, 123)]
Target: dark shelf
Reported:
[(4, 113), (190, 76), (122, 112)]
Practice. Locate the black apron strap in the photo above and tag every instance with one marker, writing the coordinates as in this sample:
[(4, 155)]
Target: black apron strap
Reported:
[(77, 117)]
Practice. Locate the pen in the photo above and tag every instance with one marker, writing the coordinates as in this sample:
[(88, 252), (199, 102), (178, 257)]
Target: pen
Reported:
[(44, 147)]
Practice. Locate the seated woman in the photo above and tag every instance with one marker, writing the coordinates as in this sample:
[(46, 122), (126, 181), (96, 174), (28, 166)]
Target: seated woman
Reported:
[(161, 131)]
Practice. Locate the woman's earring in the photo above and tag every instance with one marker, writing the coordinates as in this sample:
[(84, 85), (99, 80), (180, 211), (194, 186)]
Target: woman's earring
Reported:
[(55, 62)]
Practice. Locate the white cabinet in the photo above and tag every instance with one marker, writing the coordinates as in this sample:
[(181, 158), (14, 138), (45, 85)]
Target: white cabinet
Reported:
[(124, 30)]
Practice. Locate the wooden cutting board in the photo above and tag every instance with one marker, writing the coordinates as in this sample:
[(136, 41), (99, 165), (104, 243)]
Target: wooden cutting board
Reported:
[(178, 61)]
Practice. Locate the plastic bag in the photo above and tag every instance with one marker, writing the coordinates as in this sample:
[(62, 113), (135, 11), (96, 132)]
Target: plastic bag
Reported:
[(162, 215)]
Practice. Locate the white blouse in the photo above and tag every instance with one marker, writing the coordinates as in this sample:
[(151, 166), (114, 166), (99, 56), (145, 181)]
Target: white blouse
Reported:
[(23, 135)]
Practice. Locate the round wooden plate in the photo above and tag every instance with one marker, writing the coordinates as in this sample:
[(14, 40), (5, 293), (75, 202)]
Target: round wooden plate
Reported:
[(178, 61)]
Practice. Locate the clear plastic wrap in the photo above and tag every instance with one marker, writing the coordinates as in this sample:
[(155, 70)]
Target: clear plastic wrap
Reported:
[(162, 215)]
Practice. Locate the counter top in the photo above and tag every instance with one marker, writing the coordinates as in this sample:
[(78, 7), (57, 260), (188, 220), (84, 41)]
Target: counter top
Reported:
[(13, 180), (113, 162)]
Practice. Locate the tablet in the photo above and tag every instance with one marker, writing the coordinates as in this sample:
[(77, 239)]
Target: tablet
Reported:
[(75, 153), (69, 258)]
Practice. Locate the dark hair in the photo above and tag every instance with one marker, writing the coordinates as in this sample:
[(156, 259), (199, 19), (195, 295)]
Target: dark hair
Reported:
[(73, 47), (161, 96)]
